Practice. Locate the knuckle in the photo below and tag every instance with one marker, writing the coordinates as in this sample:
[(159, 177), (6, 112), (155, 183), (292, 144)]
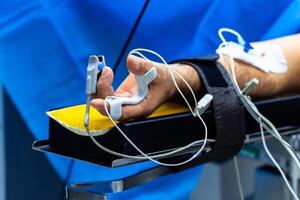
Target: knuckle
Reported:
[(163, 73)]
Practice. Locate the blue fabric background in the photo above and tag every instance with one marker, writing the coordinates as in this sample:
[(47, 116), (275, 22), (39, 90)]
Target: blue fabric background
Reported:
[(44, 46)]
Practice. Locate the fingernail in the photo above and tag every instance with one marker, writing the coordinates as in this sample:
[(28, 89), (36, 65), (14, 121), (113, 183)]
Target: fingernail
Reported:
[(104, 71), (136, 61)]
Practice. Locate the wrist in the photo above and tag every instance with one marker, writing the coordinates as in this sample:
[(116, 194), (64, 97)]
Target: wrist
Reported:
[(190, 75)]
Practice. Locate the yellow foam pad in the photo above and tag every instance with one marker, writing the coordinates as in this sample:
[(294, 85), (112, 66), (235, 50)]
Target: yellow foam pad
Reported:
[(72, 117)]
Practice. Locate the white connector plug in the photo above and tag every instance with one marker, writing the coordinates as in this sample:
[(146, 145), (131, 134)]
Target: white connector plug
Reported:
[(202, 105)]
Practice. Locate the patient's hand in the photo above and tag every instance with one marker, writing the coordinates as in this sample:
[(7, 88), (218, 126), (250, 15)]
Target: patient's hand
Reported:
[(160, 90)]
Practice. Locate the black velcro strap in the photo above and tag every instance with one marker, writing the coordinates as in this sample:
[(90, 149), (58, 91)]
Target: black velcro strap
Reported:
[(228, 110)]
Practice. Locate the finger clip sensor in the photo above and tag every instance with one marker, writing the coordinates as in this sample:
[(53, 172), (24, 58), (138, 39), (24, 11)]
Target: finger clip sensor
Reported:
[(116, 103), (95, 65)]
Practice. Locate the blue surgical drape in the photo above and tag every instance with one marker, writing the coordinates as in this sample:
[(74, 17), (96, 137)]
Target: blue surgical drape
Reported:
[(44, 46)]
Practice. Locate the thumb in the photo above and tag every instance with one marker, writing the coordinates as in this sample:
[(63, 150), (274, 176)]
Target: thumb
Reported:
[(137, 65), (104, 84)]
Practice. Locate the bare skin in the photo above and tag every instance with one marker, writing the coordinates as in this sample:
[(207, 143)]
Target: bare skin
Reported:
[(162, 89)]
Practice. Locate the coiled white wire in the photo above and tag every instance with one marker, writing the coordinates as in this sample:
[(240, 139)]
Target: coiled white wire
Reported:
[(154, 157), (264, 123)]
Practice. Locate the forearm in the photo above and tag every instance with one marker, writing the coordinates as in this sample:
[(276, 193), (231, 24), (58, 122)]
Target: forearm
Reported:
[(290, 82), (271, 84)]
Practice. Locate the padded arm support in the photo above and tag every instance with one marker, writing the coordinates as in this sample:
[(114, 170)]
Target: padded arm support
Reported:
[(228, 110)]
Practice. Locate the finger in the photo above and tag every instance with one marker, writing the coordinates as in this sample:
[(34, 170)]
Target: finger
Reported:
[(104, 84), (135, 111), (99, 105), (128, 111), (137, 65), (143, 109), (129, 84), (127, 93)]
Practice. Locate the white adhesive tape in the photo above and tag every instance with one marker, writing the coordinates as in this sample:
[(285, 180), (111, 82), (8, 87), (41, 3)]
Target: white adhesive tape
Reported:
[(266, 58)]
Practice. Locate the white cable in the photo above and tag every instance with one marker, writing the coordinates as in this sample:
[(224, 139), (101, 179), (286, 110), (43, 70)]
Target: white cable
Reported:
[(145, 156), (238, 177), (162, 155), (287, 146), (263, 121), (253, 110), (276, 164), (239, 37), (136, 51), (150, 157), (266, 148), (252, 107), (171, 70)]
